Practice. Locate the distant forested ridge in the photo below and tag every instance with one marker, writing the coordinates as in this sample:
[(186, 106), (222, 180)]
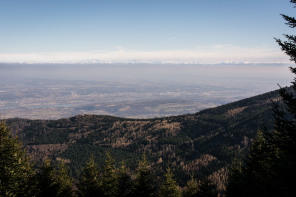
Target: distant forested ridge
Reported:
[(199, 145)]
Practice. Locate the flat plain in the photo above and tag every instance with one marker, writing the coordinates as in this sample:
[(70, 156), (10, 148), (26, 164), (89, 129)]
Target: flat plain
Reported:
[(135, 91)]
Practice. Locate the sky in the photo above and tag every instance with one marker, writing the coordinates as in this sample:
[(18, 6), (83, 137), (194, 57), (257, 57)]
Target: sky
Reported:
[(143, 31)]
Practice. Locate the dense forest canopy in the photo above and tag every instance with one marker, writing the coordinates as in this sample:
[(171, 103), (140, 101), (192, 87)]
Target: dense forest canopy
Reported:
[(197, 148)]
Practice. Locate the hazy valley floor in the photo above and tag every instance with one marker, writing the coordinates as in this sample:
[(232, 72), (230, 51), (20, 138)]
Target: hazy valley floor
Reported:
[(134, 91)]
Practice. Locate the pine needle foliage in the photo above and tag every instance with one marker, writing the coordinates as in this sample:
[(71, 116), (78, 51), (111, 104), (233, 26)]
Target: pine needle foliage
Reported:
[(169, 187), (143, 183), (124, 181), (109, 185), (270, 166), (191, 188), (90, 183), (52, 181), (15, 169)]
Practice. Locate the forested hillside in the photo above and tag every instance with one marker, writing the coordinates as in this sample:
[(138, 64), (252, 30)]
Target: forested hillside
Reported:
[(201, 144)]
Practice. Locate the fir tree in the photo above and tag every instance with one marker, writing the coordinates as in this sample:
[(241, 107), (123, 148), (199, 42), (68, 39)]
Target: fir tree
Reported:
[(53, 181), (169, 187), (270, 167), (258, 167), (284, 136), (255, 176), (143, 184), (109, 185), (235, 184), (15, 170), (90, 184), (124, 181), (65, 181), (191, 188), (206, 188)]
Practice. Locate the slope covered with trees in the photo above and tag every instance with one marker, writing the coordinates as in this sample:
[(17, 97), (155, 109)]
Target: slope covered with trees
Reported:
[(20, 178), (200, 145), (186, 155)]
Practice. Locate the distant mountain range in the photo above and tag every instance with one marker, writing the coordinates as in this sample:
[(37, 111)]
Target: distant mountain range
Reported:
[(200, 144)]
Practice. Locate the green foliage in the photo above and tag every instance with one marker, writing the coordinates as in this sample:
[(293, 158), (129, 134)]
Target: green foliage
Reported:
[(65, 181), (169, 187), (235, 179), (215, 131), (178, 142), (53, 181), (256, 176), (269, 168), (15, 170), (90, 183), (284, 136), (258, 167), (109, 185), (143, 184), (191, 188), (206, 188), (124, 181)]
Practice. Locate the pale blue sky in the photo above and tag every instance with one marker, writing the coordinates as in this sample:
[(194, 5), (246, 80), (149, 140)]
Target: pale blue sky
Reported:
[(142, 30)]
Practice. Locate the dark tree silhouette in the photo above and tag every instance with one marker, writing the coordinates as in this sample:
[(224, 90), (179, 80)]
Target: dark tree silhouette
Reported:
[(124, 181), (89, 184), (109, 185), (16, 173), (284, 136), (143, 184), (270, 166), (206, 188), (53, 181)]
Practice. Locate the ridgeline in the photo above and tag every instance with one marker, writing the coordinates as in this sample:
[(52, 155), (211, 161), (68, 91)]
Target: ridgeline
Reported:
[(202, 144)]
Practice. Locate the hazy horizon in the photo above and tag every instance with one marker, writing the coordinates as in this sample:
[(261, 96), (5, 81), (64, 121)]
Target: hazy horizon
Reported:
[(137, 58), (129, 90)]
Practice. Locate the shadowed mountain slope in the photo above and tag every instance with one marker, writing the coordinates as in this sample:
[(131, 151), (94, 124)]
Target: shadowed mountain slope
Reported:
[(202, 144)]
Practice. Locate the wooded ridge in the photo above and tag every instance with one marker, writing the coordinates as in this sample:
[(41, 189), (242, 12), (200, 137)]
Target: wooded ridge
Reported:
[(201, 144)]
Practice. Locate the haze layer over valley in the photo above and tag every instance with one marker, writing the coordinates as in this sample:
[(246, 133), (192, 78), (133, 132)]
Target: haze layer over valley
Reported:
[(52, 91)]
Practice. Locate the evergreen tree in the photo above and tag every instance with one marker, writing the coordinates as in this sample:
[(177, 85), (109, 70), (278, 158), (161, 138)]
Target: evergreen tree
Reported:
[(284, 136), (65, 181), (235, 184), (53, 181), (206, 188), (258, 167), (255, 176), (124, 181), (109, 185), (270, 167), (143, 184), (191, 188), (15, 170), (90, 184), (169, 187)]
